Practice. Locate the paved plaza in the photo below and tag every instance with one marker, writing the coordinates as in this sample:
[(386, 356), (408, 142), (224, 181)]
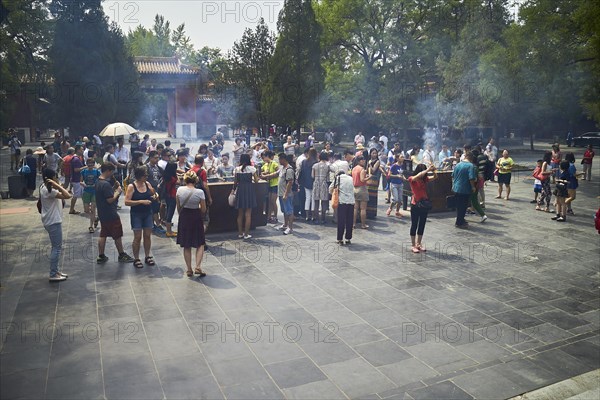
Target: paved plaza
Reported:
[(489, 312)]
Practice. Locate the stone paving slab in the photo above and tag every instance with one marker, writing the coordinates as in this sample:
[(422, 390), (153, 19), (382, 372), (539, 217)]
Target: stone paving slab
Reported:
[(494, 311)]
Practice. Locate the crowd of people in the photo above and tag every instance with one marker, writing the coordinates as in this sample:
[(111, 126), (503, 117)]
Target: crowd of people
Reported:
[(318, 187)]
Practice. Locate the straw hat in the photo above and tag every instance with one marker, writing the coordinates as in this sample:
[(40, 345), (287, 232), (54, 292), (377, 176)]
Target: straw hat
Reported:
[(360, 146), (39, 151)]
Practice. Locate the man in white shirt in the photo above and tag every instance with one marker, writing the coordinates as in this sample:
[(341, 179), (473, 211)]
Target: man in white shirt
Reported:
[(359, 139), (491, 151), (428, 156), (444, 154), (384, 139), (121, 152)]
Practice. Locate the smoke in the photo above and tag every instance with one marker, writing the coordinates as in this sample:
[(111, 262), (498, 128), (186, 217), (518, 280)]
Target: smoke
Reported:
[(431, 137)]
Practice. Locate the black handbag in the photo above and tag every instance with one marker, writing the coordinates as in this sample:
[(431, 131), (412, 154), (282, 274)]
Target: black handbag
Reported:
[(425, 204)]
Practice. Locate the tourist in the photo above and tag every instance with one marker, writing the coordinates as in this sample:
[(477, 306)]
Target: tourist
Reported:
[(300, 197), (345, 209), (139, 196), (64, 146), (245, 195), (474, 195), (134, 141), (155, 180), (573, 183), (374, 171), (306, 181), (76, 168), (211, 164), (396, 179), (360, 151), (343, 166), (327, 150), (504, 165), (428, 155), (256, 154), (361, 194), (152, 146), (359, 139), (123, 157), (588, 156), (464, 178), (556, 159), (420, 204), (182, 163), (544, 178), (320, 192), (51, 160), (481, 162), (225, 170), (270, 173), (289, 147), (285, 193), (144, 144), (31, 161), (562, 192), (14, 144), (383, 140), (170, 181), (200, 170), (66, 167), (537, 183), (107, 195), (238, 150), (491, 151), (443, 156), (137, 160), (191, 206), (310, 140), (52, 197), (89, 178)]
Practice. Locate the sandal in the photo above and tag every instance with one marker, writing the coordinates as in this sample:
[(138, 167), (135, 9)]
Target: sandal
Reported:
[(364, 226), (75, 212), (138, 263), (91, 229), (149, 260), (198, 271), (189, 273), (96, 222)]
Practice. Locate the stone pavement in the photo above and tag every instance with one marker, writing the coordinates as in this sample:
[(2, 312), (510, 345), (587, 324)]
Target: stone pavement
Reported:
[(494, 311)]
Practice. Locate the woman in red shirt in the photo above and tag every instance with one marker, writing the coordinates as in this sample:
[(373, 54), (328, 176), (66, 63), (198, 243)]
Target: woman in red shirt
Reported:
[(418, 214), (587, 163)]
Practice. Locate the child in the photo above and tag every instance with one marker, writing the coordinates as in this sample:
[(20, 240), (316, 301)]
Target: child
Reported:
[(573, 182), (89, 177), (561, 192), (396, 183), (537, 184)]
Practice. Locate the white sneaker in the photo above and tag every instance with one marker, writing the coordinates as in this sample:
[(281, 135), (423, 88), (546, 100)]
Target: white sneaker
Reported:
[(281, 228), (483, 218), (247, 236), (57, 278), (287, 231)]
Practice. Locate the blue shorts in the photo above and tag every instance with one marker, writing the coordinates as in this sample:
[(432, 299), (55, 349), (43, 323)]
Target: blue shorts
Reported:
[(141, 221), (287, 205), (273, 189), (537, 188)]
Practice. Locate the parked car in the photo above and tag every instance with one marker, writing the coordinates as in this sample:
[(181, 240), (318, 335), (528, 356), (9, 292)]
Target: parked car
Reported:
[(592, 138)]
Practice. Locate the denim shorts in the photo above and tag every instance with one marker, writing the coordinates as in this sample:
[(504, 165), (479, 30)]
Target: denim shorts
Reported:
[(287, 205), (141, 221)]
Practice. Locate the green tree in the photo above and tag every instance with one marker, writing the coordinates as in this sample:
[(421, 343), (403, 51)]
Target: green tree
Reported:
[(94, 76), (25, 36), (297, 75), (249, 74)]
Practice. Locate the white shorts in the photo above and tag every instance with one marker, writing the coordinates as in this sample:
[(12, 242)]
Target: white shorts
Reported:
[(77, 190)]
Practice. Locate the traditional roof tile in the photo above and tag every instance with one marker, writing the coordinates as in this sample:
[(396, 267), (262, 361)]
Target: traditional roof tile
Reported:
[(163, 65)]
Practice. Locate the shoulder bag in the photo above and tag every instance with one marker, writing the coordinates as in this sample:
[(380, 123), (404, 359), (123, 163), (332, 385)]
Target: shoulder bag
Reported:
[(335, 195)]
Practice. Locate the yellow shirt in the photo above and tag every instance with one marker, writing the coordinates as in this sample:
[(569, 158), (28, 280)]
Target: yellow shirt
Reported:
[(505, 164), (270, 168)]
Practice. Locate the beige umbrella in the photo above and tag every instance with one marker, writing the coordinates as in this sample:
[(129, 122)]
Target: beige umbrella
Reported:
[(117, 129)]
